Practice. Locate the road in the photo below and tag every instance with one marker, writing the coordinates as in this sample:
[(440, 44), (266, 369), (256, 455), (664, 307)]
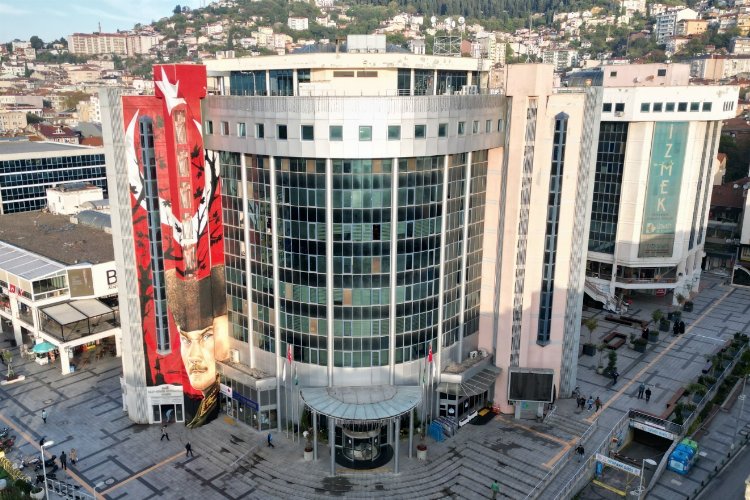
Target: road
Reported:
[(731, 482)]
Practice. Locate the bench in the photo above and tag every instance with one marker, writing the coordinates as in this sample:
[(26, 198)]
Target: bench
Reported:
[(707, 367), (618, 320), (614, 340), (676, 397)]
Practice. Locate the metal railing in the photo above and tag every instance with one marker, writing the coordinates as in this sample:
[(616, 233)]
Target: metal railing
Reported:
[(586, 471), (655, 421), (565, 459), (67, 490)]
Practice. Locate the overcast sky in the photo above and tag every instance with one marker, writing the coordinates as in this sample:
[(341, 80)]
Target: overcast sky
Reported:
[(52, 19)]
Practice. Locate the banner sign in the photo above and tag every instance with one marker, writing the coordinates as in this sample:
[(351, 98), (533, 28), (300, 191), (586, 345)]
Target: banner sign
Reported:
[(247, 401), (653, 430), (663, 191), (618, 465)]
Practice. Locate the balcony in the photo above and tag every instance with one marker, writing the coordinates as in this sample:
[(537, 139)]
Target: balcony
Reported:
[(638, 277)]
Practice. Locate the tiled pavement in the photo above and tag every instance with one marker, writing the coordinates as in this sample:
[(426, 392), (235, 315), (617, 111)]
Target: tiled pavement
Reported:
[(119, 459)]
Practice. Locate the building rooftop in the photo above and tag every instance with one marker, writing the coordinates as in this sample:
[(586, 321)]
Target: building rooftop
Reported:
[(729, 196), (24, 147), (56, 238)]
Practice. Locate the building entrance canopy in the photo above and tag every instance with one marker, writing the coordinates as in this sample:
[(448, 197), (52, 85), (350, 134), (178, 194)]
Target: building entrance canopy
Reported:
[(380, 402), (474, 385)]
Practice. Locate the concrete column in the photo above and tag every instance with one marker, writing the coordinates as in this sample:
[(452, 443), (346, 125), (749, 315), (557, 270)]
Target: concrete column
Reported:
[(434, 82), (14, 319), (412, 90), (295, 82), (411, 431), (118, 345), (329, 267), (464, 252), (315, 434), (395, 442), (394, 271), (64, 360), (276, 300), (332, 442), (248, 270)]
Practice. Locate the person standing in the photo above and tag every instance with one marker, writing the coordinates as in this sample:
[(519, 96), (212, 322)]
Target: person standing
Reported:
[(63, 461), (648, 394), (495, 487), (270, 444), (164, 433), (641, 388), (580, 452), (44, 416), (2, 357), (188, 450), (590, 402), (598, 403), (73, 456), (614, 377)]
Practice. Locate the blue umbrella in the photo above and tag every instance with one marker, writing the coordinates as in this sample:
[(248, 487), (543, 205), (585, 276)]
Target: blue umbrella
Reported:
[(43, 347)]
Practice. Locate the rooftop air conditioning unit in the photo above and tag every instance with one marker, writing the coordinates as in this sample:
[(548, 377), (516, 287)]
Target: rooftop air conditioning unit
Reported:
[(473, 354), (483, 353), (619, 113), (234, 354)]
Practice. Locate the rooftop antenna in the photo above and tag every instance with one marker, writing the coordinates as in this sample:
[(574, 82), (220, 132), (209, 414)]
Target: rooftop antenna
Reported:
[(528, 54), (100, 26)]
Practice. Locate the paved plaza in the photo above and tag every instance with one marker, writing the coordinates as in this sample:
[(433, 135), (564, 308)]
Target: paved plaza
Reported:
[(119, 459)]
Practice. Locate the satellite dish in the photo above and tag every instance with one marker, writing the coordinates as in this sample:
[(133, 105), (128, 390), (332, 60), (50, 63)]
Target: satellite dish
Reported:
[(433, 19), (453, 23), (461, 20), (447, 22)]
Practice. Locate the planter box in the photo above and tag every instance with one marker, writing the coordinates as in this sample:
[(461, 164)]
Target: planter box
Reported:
[(589, 349), (663, 326), (308, 456), (422, 454), (640, 347), (653, 336)]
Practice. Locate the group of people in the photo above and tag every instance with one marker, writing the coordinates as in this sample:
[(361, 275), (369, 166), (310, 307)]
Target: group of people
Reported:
[(588, 404), (644, 391)]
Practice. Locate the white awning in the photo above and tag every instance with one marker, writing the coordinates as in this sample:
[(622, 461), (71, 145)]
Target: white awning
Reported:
[(77, 310), (362, 403)]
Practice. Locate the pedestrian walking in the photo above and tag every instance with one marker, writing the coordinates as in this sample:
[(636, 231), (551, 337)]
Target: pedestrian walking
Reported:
[(580, 452), (164, 433), (614, 377), (590, 402), (44, 416), (682, 327), (2, 357), (63, 461), (648, 394), (598, 403), (73, 456), (188, 450), (582, 402), (270, 444), (495, 487), (641, 388)]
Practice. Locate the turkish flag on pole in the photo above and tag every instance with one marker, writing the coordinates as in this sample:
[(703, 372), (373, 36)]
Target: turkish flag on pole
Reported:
[(429, 355), (289, 353)]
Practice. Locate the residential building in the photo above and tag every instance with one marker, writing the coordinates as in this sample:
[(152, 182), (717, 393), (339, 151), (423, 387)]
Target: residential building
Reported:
[(67, 199), (142, 43), (28, 169), (297, 23), (56, 133), (718, 67), (561, 59), (58, 284), (12, 119), (666, 23), (740, 45), (654, 172), (689, 27), (98, 43), (417, 46), (633, 6)]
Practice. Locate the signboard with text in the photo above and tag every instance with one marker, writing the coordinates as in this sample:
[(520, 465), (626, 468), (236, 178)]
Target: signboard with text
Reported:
[(618, 465), (663, 190)]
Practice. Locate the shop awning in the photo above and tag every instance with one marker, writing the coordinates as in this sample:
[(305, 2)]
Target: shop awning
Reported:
[(362, 404), (474, 385)]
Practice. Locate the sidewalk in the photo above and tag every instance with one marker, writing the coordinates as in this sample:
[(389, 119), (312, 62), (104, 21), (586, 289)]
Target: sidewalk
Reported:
[(719, 311)]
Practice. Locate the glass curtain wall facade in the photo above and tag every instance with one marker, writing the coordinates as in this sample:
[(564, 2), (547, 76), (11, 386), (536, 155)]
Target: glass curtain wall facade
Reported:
[(610, 161), (364, 230)]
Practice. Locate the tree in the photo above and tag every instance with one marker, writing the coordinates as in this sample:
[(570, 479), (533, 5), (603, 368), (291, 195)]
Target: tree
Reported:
[(177, 9), (36, 42), (31, 118), (591, 325)]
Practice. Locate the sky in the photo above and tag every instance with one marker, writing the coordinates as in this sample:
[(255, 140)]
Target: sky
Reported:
[(52, 19)]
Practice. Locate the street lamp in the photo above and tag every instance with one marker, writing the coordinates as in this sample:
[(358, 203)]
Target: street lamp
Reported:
[(44, 467), (643, 473)]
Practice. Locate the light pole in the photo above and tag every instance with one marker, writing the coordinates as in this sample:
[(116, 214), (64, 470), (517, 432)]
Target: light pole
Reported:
[(643, 473), (742, 410), (44, 467)]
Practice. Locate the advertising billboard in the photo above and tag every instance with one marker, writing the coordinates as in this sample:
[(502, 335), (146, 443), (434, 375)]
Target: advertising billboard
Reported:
[(531, 384), (178, 238), (663, 190)]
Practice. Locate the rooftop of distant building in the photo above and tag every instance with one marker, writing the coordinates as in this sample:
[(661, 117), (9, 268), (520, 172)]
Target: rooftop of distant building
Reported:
[(56, 238), (41, 147)]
